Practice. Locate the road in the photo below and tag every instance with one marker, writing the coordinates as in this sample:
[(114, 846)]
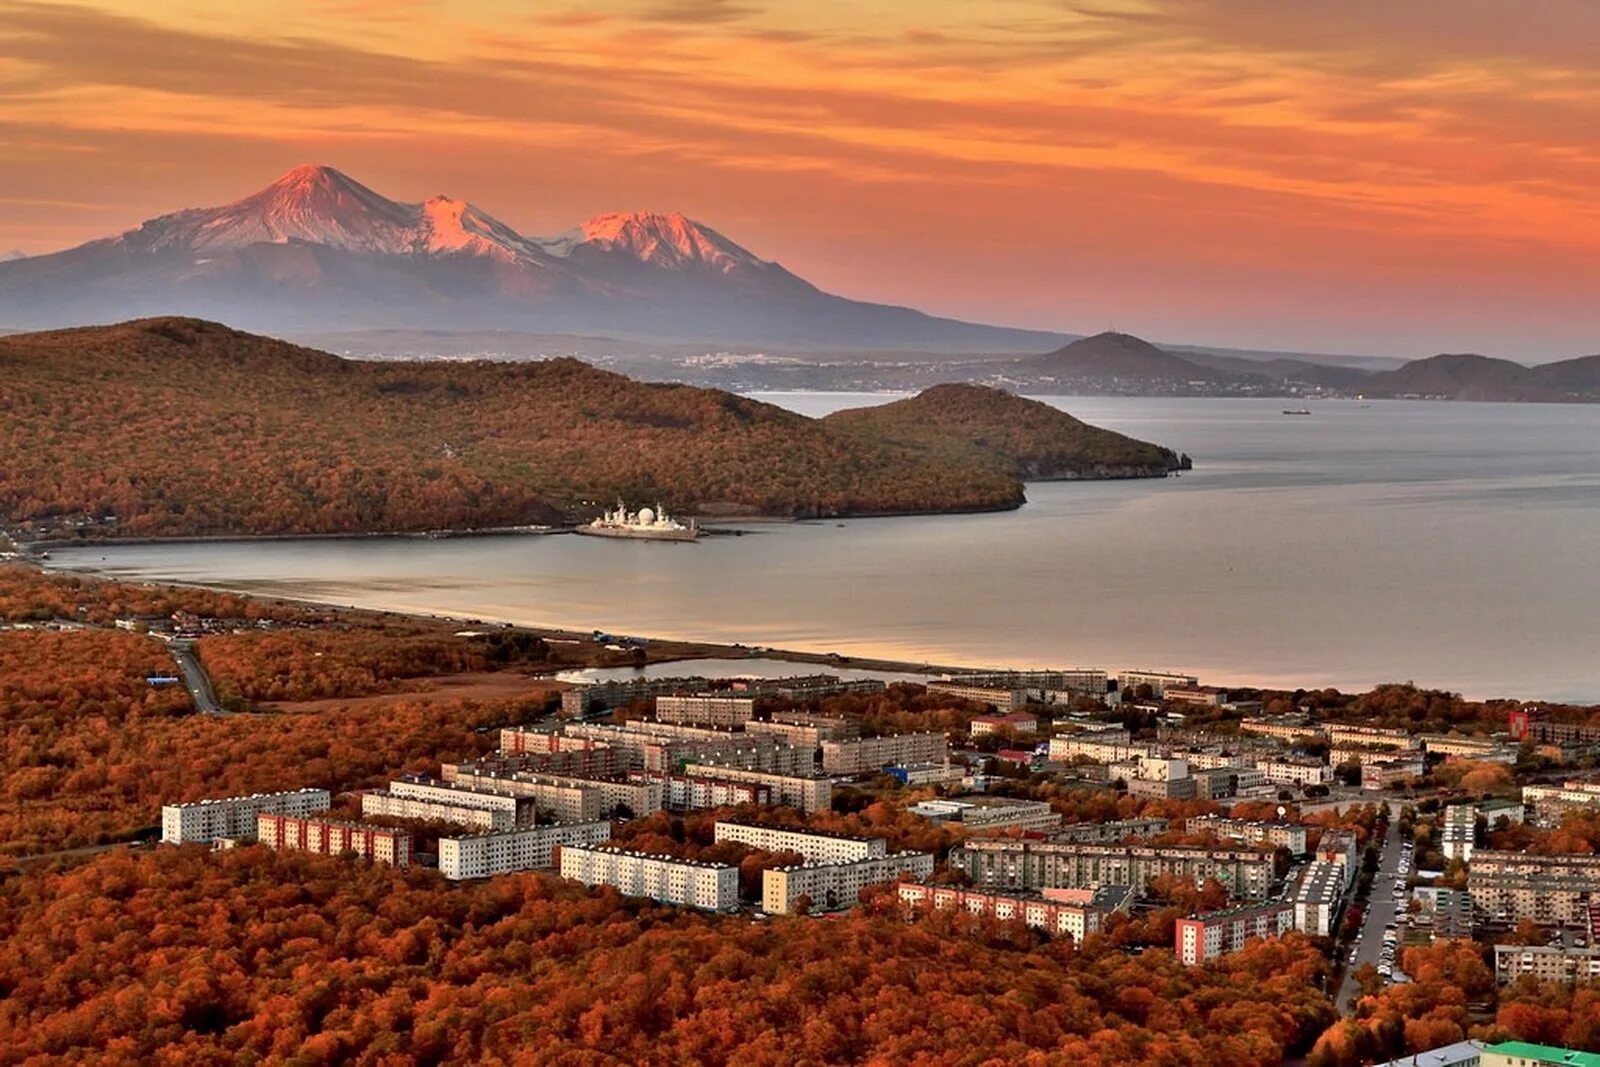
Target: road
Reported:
[(194, 676), (1380, 911)]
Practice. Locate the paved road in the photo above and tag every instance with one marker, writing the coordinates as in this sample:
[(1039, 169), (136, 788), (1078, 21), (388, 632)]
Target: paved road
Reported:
[(194, 676), (1380, 911)]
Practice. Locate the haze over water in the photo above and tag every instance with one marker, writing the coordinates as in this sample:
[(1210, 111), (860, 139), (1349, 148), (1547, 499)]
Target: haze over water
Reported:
[(1457, 545)]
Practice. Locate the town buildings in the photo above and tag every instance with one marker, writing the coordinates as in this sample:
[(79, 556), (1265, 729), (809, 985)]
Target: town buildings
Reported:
[(1055, 917), (1387, 773), (1547, 888), (203, 821), (1316, 897), (712, 886), (1548, 963), (812, 845), (1341, 848), (1002, 700), (1457, 746), (1018, 722), (1158, 682), (861, 755), (1205, 937), (682, 792), (526, 849), (334, 837), (382, 803), (1284, 727), (990, 813), (1533, 723), (807, 793), (1025, 864), (1101, 746), (1288, 770), (1291, 836), (706, 709), (1459, 832), (1549, 804), (1349, 735), (1110, 832), (829, 886)]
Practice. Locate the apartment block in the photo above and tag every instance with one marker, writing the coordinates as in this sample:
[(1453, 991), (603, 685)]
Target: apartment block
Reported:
[(1018, 722), (1384, 774), (1205, 937), (1348, 734), (1340, 847), (203, 821), (1024, 864), (1163, 788), (1301, 772), (516, 810), (1038, 685), (1096, 833), (682, 792), (564, 802), (1283, 727), (864, 754), (712, 886), (1554, 888), (1459, 833), (831, 886), (1002, 700), (1455, 746), (807, 793), (382, 803), (1548, 963), (708, 709), (527, 849), (1075, 920), (1532, 723), (813, 846), (802, 731), (1316, 897), (1549, 804), (1291, 836), (1108, 746), (1158, 681), (333, 837)]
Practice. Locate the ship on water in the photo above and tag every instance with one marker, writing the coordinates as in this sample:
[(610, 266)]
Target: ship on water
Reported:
[(646, 524)]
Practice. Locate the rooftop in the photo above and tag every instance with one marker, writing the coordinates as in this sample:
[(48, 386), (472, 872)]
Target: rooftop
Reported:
[(1545, 1053)]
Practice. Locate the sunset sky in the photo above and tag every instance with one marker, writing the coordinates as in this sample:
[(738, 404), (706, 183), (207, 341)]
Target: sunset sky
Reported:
[(1363, 176)]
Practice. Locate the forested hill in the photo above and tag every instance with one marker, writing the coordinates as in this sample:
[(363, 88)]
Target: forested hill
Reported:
[(1023, 438)]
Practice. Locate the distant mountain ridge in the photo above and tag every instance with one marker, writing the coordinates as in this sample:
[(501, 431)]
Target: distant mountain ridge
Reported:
[(317, 250), (1473, 377)]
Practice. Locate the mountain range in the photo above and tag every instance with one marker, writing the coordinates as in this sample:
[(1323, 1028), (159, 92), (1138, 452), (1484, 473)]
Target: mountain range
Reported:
[(317, 250)]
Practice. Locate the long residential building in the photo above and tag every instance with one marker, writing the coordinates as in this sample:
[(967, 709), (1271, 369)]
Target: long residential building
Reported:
[(1317, 895), (518, 810), (1291, 771), (1533, 723), (812, 845), (807, 793), (1158, 681), (1041, 913), (831, 886), (1283, 727), (1023, 864), (1456, 746), (1002, 700), (981, 812), (568, 797), (1037, 684), (1205, 937), (1342, 734), (710, 709), (682, 792), (1554, 888), (1291, 836), (802, 730), (1110, 832), (382, 803), (1548, 963), (334, 837), (863, 754), (1101, 746), (1549, 804), (713, 886), (203, 821), (526, 849)]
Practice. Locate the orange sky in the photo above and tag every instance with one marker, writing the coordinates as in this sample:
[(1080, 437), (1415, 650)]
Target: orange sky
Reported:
[(1367, 176)]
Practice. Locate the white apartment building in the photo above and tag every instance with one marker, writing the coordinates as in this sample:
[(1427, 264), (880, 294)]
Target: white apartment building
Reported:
[(1158, 681), (1053, 917), (1316, 898), (1291, 836), (831, 886), (1300, 772), (1347, 734), (486, 855), (712, 886), (808, 794), (706, 709), (203, 821), (813, 847), (478, 817), (1284, 728), (1091, 746), (1548, 963), (863, 754), (1549, 804)]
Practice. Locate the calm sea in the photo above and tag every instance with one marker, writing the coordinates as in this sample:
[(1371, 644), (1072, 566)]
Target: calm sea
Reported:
[(1456, 545)]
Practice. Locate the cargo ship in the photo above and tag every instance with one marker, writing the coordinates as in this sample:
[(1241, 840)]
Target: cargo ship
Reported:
[(646, 524)]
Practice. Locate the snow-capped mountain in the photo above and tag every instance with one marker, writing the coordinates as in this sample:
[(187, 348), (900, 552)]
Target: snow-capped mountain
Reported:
[(317, 250)]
